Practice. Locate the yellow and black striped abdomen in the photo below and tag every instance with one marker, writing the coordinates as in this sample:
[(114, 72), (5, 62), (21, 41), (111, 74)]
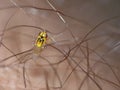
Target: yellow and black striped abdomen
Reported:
[(41, 40)]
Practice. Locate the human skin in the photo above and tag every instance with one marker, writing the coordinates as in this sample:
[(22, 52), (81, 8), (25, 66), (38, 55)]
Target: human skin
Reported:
[(81, 52)]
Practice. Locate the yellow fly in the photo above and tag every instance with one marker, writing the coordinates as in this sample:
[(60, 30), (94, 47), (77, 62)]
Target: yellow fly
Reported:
[(41, 40)]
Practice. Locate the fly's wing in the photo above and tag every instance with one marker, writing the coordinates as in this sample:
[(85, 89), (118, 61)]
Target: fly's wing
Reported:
[(61, 39)]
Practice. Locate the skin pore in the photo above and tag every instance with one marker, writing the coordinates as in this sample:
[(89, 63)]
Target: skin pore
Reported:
[(81, 51)]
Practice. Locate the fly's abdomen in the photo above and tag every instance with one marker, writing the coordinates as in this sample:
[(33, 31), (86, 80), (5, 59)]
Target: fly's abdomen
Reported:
[(40, 41)]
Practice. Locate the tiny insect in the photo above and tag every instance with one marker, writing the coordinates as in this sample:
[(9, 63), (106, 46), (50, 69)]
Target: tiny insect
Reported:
[(41, 40)]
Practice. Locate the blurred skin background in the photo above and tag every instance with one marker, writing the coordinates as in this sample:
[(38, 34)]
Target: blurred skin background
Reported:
[(82, 50)]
